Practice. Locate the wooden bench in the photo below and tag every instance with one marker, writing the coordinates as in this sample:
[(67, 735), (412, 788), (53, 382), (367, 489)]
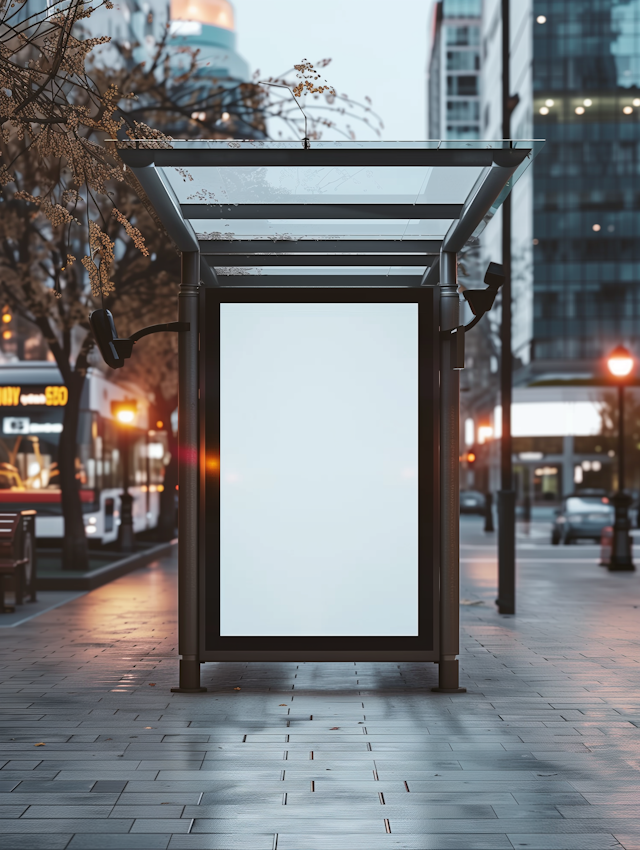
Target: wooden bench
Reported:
[(17, 557)]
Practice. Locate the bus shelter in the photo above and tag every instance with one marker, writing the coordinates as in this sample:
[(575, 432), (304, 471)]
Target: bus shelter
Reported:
[(319, 390)]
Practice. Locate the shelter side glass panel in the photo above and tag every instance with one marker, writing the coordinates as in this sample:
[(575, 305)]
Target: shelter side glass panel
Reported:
[(317, 506)]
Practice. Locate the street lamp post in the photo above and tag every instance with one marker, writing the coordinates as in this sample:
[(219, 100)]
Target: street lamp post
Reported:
[(620, 365), (125, 413)]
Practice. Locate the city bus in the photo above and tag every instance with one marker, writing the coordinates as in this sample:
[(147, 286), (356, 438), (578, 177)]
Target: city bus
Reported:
[(32, 401)]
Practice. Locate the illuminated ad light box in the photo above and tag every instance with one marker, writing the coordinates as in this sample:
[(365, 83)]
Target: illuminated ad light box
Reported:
[(318, 521)]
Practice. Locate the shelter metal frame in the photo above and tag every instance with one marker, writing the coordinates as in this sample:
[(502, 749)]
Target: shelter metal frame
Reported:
[(329, 262)]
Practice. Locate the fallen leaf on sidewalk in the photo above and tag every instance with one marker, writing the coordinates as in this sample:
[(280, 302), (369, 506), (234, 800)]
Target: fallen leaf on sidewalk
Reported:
[(39, 745), (237, 689), (152, 684), (283, 704), (333, 728)]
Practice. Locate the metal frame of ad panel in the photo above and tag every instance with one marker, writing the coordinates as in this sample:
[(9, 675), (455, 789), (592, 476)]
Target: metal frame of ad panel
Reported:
[(424, 646)]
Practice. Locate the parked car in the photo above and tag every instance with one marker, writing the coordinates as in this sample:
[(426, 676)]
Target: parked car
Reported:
[(581, 516), (472, 502)]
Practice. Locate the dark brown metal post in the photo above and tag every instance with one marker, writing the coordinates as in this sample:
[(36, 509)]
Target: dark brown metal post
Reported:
[(448, 681), (506, 600), (188, 477), (621, 437), (125, 531), (621, 557)]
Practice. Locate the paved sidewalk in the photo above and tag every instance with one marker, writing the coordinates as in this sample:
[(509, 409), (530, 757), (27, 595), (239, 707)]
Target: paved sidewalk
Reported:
[(543, 752)]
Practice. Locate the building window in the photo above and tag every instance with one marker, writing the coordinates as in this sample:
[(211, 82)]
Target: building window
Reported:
[(463, 60), (462, 8), (462, 131), (463, 110), (462, 36), (462, 86)]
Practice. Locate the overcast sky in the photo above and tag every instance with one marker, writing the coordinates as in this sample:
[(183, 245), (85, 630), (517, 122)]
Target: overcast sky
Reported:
[(378, 47)]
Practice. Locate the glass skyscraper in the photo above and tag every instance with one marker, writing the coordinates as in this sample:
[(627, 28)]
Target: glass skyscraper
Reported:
[(586, 197), (575, 67)]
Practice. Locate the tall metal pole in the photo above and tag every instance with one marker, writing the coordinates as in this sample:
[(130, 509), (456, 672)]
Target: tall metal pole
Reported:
[(449, 483), (126, 500), (621, 437), (506, 600), (621, 557), (188, 644)]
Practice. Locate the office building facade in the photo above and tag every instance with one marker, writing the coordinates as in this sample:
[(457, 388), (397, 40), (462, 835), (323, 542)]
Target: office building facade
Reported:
[(575, 67), (454, 70)]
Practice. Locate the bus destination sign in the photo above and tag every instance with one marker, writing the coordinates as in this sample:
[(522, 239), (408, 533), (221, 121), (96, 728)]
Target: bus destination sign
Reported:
[(52, 396)]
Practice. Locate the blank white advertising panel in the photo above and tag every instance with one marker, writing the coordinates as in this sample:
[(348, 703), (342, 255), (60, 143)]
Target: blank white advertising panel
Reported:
[(318, 469)]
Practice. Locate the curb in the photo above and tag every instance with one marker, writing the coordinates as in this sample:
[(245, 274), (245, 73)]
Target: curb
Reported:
[(103, 575)]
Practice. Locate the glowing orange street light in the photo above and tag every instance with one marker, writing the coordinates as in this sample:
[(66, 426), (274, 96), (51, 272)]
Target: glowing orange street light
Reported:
[(620, 362), (125, 412), (485, 433)]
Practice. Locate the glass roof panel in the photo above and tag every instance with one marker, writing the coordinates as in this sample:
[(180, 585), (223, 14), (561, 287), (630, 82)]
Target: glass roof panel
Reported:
[(325, 271), (237, 190), (297, 229), (322, 185)]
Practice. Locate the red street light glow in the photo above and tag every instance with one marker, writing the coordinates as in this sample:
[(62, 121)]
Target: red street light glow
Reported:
[(620, 362)]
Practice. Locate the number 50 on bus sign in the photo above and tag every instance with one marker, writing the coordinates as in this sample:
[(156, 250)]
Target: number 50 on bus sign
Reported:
[(56, 396)]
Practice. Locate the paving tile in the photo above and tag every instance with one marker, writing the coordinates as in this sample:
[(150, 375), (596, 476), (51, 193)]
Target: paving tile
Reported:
[(43, 826), (37, 787), (597, 841), (172, 826), (109, 786), (33, 842), (63, 811), (124, 810), (105, 841), (253, 841), (289, 841), (12, 811)]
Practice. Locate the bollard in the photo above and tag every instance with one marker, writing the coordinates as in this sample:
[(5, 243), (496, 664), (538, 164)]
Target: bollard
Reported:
[(488, 512), (526, 507)]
